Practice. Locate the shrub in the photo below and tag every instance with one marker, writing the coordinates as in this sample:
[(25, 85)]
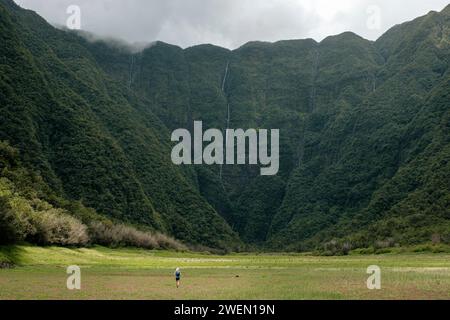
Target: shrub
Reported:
[(15, 220), (334, 248), (384, 244), (56, 227), (436, 238), (36, 221), (5, 262), (121, 235), (166, 242)]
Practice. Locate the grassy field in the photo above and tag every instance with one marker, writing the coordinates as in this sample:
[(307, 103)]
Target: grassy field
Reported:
[(140, 274)]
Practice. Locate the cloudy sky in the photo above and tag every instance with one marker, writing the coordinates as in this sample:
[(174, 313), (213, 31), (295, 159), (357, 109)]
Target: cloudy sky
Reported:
[(231, 23)]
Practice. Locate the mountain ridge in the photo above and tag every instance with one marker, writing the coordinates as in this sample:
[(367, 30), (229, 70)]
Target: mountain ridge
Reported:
[(358, 119)]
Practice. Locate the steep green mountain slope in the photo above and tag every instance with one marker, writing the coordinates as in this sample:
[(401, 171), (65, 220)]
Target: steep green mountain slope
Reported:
[(377, 141), (345, 107), (89, 137), (364, 132)]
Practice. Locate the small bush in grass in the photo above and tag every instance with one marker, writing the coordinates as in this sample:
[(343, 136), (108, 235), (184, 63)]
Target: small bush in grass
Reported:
[(5, 262)]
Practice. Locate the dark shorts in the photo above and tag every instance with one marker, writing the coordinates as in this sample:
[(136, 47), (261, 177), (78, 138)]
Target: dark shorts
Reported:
[(177, 279)]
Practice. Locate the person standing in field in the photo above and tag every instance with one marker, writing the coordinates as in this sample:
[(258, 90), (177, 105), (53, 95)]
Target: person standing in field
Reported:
[(178, 276)]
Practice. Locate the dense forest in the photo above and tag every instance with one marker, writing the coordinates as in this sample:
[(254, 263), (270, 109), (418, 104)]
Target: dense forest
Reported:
[(364, 139)]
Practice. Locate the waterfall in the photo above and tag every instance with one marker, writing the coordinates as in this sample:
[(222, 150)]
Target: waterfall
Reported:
[(227, 125), (311, 106), (130, 82)]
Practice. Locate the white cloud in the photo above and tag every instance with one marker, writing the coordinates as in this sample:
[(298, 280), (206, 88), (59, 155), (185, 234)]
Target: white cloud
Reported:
[(231, 23)]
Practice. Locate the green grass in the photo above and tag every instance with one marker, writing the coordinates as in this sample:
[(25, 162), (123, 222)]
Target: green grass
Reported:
[(141, 274)]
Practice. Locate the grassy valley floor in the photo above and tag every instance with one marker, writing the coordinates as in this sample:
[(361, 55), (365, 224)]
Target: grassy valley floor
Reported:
[(139, 274)]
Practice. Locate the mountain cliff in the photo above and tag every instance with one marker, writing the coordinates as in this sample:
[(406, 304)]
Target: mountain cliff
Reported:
[(364, 132)]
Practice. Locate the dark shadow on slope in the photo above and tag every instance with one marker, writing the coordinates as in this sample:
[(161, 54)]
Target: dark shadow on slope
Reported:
[(11, 256)]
